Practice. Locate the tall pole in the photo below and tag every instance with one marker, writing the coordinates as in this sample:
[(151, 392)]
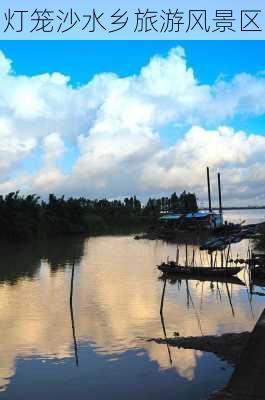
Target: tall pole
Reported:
[(72, 313), (209, 189), (220, 194)]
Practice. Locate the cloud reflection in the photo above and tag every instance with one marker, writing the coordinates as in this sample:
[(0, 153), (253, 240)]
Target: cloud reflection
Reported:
[(116, 304)]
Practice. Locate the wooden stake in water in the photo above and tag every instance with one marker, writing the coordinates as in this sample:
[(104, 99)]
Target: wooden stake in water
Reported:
[(211, 257), (230, 299), (162, 320), (215, 260), (72, 313), (177, 256), (227, 256)]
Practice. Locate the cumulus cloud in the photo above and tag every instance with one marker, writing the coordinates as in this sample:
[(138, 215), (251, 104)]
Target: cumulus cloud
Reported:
[(13, 147), (5, 64), (50, 175), (116, 127), (239, 156)]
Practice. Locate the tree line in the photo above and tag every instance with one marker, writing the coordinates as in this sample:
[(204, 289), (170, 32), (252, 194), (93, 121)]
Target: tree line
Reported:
[(23, 217)]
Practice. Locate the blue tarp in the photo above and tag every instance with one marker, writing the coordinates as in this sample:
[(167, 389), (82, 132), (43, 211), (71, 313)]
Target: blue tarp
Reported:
[(198, 214)]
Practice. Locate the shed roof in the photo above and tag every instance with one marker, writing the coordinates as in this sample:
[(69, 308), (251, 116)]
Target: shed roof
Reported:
[(197, 214)]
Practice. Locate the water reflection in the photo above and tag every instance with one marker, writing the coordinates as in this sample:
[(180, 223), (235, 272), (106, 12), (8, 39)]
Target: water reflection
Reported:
[(23, 260), (108, 302), (28, 300), (18, 262), (214, 286), (163, 321)]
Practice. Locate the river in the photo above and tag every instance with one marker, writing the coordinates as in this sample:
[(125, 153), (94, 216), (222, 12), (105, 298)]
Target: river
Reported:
[(99, 348)]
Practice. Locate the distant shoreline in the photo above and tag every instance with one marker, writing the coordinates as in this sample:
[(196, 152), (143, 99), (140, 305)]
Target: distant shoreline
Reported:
[(235, 208)]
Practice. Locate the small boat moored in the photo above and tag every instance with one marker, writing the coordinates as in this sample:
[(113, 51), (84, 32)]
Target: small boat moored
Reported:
[(173, 278), (172, 268)]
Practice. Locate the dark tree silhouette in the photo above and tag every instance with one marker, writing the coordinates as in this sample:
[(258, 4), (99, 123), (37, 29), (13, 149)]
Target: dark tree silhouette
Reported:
[(25, 217)]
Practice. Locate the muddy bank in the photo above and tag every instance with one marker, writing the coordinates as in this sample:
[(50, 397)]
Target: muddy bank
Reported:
[(227, 347), (175, 236), (231, 233)]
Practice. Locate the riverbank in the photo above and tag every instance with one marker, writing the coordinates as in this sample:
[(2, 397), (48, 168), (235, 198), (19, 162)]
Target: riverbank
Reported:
[(227, 347)]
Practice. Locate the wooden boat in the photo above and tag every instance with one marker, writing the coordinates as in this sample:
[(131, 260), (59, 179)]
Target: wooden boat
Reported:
[(174, 278), (172, 268)]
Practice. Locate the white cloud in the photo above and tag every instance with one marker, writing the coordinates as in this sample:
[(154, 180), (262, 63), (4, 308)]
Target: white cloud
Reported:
[(47, 180), (50, 176), (245, 94), (116, 125), (5, 64), (13, 147), (239, 156), (53, 147)]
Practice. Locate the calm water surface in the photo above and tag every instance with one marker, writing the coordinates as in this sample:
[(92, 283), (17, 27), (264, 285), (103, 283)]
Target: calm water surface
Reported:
[(98, 349)]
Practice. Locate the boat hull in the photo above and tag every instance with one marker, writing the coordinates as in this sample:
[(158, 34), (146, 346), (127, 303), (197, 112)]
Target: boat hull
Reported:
[(198, 271), (173, 278)]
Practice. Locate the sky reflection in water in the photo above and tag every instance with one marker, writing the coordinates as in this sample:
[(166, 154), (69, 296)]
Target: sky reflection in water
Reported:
[(116, 302)]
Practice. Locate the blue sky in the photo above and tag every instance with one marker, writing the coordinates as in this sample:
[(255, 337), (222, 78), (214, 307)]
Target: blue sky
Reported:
[(208, 58), (215, 81)]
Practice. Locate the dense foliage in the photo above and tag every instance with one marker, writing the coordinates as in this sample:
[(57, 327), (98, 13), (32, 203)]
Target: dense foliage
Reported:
[(28, 216)]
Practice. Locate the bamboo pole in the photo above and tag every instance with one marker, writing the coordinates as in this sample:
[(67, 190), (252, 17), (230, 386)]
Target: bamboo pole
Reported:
[(209, 189)]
